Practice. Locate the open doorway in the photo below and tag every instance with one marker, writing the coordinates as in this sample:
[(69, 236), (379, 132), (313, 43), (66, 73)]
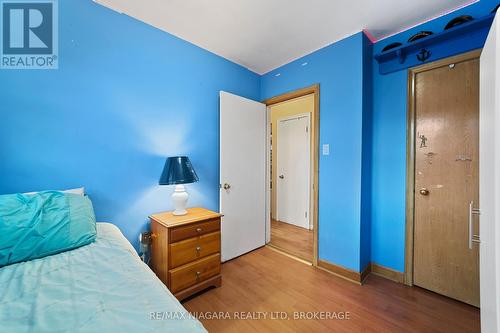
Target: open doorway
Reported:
[(293, 142)]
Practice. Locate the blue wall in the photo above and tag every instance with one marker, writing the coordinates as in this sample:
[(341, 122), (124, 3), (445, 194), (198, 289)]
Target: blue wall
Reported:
[(366, 174), (125, 96), (388, 169), (389, 147), (338, 69)]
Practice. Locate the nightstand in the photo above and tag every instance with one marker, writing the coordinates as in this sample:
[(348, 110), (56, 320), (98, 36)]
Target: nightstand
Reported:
[(185, 250)]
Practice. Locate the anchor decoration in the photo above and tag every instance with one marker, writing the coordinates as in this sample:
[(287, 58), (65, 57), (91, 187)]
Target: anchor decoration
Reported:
[(423, 55)]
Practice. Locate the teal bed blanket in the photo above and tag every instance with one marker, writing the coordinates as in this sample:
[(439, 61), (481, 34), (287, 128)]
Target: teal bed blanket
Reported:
[(37, 225), (100, 287)]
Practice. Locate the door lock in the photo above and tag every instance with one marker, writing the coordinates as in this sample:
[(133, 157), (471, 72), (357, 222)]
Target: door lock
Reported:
[(424, 191), (282, 177), (226, 186)]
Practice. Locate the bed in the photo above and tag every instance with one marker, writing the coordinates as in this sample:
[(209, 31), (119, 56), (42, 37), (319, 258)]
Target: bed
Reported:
[(100, 287)]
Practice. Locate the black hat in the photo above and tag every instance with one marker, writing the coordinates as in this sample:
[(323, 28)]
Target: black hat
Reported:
[(420, 35), (458, 20), (391, 46)]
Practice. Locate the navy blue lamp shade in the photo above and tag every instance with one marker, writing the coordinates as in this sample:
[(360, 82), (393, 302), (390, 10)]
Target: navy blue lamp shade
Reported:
[(178, 170)]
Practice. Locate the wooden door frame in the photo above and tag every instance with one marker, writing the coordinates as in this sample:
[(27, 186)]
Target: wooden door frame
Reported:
[(311, 90), (410, 152)]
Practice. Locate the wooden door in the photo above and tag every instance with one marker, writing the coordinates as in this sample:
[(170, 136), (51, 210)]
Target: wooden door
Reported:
[(447, 180), (293, 166)]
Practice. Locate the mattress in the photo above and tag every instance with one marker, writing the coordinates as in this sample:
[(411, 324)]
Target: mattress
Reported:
[(101, 287)]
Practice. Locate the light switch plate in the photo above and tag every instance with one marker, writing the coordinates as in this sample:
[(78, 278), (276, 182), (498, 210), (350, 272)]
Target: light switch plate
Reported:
[(326, 149)]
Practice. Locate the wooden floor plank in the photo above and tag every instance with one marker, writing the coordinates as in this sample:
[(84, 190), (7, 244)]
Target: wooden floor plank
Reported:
[(294, 240), (267, 281)]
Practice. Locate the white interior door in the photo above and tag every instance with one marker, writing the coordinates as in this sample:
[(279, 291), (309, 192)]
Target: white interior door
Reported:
[(242, 174), (489, 181), (293, 166)]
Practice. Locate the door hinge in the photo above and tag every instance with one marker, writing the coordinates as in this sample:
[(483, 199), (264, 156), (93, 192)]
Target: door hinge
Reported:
[(306, 215), (307, 129)]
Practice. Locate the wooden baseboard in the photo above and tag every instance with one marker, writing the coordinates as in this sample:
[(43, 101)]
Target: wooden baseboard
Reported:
[(345, 273), (364, 274), (359, 277), (387, 273)]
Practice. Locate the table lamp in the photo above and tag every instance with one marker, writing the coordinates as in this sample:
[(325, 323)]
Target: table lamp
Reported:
[(178, 171)]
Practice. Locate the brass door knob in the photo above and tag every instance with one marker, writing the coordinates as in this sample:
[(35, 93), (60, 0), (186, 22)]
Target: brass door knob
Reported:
[(424, 191)]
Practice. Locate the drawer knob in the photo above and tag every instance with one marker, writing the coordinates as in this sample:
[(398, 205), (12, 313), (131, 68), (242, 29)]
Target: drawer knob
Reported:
[(198, 230), (198, 274), (198, 248)]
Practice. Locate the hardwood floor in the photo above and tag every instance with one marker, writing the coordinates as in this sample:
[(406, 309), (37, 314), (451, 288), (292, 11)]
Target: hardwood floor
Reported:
[(292, 239), (266, 281)]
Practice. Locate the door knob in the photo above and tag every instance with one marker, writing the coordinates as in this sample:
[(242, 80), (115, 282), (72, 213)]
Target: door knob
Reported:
[(282, 177), (226, 186), (424, 191)]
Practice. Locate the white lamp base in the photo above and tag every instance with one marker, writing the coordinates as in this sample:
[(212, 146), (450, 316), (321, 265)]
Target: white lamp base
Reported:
[(180, 198)]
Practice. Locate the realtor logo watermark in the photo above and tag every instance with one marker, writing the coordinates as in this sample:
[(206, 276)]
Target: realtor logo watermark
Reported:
[(29, 38)]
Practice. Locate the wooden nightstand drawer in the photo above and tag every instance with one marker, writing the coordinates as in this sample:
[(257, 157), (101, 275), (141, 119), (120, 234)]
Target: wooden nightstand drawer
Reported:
[(193, 249), (193, 230), (185, 250), (188, 275)]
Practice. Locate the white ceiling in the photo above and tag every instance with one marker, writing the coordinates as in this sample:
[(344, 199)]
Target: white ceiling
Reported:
[(262, 35)]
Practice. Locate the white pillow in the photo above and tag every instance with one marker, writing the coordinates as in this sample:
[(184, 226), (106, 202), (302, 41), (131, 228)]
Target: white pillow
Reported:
[(80, 191)]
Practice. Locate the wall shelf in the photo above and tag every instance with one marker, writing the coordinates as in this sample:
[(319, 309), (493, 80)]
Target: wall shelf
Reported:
[(462, 38)]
